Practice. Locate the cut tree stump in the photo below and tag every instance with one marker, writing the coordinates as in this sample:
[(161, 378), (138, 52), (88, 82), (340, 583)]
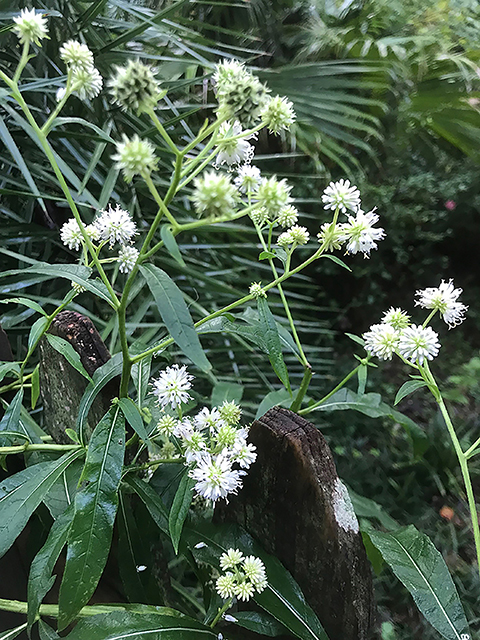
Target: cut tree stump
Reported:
[(62, 386), (294, 504)]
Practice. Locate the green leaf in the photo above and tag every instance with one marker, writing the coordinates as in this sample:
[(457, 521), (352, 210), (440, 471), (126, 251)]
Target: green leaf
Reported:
[(119, 624), (101, 377), (179, 510), (355, 338), (266, 255), (40, 579), (62, 492), (11, 417), (226, 392), (366, 508), (7, 368), (151, 500), (134, 418), (36, 332), (46, 632), (141, 371), (31, 304), (421, 568), (171, 244), (68, 352), (175, 314), (260, 622), (96, 504), (13, 633), (35, 391), (282, 598), (21, 494), (272, 399), (337, 260), (362, 379), (272, 340), (133, 553), (407, 388)]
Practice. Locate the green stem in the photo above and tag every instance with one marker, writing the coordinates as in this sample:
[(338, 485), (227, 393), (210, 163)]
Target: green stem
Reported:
[(46, 126), (429, 317), (170, 143), (163, 210), (21, 448), (52, 611), (23, 61), (221, 611), (313, 406), (297, 403), (471, 451)]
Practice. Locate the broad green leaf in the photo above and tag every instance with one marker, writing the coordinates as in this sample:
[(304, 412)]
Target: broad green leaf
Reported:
[(13, 633), (46, 632), (11, 417), (226, 392), (96, 504), (133, 417), (73, 272), (175, 314), (40, 579), (35, 390), (171, 244), (366, 508), (266, 255), (21, 494), (7, 368), (179, 510), (152, 501), (68, 352), (141, 371), (272, 340), (31, 304), (407, 388), (36, 332), (120, 624), (421, 568), (100, 378), (281, 397), (282, 598), (260, 622), (134, 556), (62, 492)]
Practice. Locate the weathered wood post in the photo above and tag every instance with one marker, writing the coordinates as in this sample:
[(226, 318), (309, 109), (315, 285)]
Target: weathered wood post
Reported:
[(295, 505)]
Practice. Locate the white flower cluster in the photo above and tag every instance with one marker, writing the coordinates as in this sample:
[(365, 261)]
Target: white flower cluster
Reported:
[(416, 343), (84, 78), (358, 234), (114, 225), (243, 577), (211, 441), (30, 26)]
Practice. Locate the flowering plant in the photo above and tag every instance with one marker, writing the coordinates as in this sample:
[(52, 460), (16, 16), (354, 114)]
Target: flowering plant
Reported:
[(207, 446)]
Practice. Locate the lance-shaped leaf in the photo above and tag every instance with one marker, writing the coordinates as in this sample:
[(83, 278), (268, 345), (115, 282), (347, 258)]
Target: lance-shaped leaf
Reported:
[(421, 568), (171, 244), (95, 507), (134, 556), (68, 352), (40, 579), (11, 417), (13, 633), (120, 624), (21, 494), (179, 510), (46, 632), (152, 501), (407, 388), (133, 417), (175, 314), (272, 340)]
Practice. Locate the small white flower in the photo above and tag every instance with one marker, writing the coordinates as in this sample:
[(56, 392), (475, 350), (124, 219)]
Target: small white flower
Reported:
[(76, 55), (172, 386), (360, 234), (127, 258), (232, 149), (116, 225), (273, 194), (244, 453), (208, 419), (259, 216), (70, 234), (135, 156), (194, 444), (30, 26), (248, 178), (331, 236), (215, 477), (287, 216), (87, 83), (214, 194), (166, 425), (296, 235), (244, 590), (231, 558), (418, 343), (226, 436), (254, 570), (382, 340), (340, 194), (257, 290), (444, 300), (396, 318), (278, 114), (226, 585)]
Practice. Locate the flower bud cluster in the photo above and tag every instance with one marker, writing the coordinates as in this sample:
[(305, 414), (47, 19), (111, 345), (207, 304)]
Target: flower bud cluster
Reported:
[(212, 441), (113, 225), (243, 577), (134, 87), (416, 343), (85, 79), (135, 157)]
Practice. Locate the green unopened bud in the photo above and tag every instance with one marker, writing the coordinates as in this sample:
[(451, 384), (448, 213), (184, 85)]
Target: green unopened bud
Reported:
[(278, 114), (214, 194), (257, 290), (134, 87), (135, 157), (274, 195)]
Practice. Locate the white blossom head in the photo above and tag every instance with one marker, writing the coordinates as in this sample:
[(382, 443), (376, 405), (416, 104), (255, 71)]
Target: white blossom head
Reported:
[(214, 194), (172, 386), (215, 477), (331, 236), (72, 237), (116, 225), (127, 258), (134, 87), (135, 157), (230, 411), (341, 195), (76, 55), (208, 419), (257, 291), (248, 178), (382, 341), (233, 148), (274, 195), (287, 216), (443, 299), (30, 26), (396, 318), (418, 344), (278, 114), (86, 83), (231, 558), (294, 236), (360, 234), (166, 425), (243, 576)]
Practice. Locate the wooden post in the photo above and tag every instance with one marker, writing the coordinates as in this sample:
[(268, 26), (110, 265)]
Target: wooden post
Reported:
[(295, 505)]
